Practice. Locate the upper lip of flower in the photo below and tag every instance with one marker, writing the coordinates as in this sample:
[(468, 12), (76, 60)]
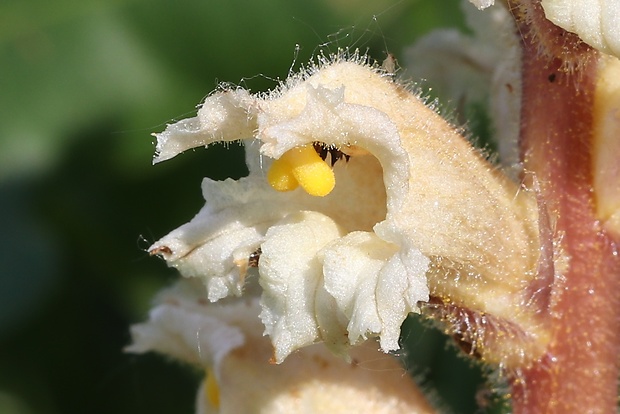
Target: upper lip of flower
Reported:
[(288, 117)]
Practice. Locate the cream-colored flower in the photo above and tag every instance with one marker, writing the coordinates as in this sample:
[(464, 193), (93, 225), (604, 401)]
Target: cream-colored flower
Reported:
[(597, 22), (409, 209), (226, 341)]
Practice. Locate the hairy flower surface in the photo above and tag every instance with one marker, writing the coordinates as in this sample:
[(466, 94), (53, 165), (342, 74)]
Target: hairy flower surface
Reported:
[(481, 68), (597, 22), (226, 341), (361, 203)]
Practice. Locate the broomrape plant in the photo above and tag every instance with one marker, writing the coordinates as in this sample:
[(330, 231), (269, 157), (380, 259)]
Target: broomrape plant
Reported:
[(363, 205)]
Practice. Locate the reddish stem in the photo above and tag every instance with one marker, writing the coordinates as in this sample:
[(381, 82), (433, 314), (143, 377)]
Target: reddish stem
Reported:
[(579, 372)]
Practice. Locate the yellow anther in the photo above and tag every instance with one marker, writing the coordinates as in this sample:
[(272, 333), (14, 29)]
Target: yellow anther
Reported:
[(280, 176), (212, 389), (302, 166)]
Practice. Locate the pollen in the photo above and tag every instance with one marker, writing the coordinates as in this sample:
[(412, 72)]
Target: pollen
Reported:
[(212, 390), (302, 166)]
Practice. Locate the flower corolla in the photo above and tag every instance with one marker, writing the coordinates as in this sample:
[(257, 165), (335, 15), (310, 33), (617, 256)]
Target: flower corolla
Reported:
[(360, 205), (225, 341)]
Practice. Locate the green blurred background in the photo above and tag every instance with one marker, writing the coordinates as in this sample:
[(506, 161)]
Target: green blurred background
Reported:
[(83, 84)]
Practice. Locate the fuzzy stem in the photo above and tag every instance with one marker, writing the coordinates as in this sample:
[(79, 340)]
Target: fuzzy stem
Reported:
[(580, 369)]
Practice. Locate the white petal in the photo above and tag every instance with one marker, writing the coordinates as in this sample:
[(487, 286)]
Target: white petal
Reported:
[(183, 326), (597, 22), (196, 250), (216, 244), (372, 287), (190, 337), (402, 273), (291, 277), (225, 116)]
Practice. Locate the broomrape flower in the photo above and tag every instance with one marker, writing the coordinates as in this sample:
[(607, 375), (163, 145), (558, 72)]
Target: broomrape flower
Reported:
[(361, 205), (226, 341)]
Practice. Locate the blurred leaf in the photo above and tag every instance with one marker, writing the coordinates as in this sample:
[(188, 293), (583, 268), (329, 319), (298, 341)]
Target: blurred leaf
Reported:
[(28, 258)]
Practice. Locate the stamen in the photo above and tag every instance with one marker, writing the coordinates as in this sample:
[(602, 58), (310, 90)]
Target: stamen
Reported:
[(302, 166), (325, 150), (280, 176)]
